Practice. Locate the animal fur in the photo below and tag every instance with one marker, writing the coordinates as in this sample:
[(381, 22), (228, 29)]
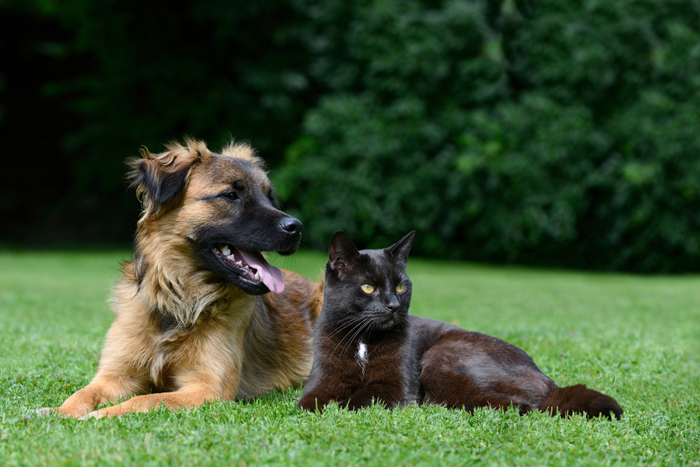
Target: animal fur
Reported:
[(189, 327)]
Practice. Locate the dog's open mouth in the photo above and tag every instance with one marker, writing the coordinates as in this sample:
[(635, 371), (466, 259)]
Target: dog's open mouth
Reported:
[(251, 267)]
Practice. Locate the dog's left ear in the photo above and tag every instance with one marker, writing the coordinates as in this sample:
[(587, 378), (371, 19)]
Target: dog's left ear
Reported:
[(160, 178)]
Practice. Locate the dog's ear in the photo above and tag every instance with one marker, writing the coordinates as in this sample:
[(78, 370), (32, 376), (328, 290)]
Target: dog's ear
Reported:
[(341, 252), (160, 178)]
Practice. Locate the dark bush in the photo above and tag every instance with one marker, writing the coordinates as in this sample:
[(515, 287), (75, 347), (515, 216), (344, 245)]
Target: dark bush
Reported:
[(115, 75), (555, 133), (537, 132)]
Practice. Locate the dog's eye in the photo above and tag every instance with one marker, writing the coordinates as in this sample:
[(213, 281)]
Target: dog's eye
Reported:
[(230, 195)]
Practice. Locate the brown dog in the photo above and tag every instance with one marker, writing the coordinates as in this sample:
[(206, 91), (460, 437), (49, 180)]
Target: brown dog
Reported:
[(193, 320)]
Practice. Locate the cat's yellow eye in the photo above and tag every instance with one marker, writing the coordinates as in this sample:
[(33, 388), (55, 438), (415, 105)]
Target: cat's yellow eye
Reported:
[(367, 288), (401, 288)]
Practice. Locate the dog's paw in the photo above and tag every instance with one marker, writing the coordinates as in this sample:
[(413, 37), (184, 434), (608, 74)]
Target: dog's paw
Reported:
[(46, 411), (60, 412), (94, 414)]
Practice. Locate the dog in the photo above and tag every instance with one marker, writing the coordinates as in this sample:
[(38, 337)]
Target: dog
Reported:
[(194, 321)]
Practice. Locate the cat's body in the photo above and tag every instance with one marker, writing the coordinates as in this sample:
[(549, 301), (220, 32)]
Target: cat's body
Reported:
[(368, 348)]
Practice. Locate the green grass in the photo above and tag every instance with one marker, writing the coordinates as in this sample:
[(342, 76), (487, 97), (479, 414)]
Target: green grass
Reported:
[(635, 338)]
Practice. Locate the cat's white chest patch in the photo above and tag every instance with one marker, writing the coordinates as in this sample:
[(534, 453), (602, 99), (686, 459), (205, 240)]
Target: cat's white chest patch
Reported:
[(361, 356)]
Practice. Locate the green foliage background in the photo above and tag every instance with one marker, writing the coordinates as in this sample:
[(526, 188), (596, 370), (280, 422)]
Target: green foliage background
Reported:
[(534, 132)]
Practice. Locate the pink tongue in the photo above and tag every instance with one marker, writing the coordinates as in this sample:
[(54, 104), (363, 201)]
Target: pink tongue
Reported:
[(270, 275)]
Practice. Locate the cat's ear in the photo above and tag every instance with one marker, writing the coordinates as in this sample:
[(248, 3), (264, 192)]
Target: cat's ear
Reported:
[(402, 248), (342, 251)]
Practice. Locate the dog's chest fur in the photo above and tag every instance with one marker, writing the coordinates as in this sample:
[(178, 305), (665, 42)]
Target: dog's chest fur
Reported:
[(237, 330)]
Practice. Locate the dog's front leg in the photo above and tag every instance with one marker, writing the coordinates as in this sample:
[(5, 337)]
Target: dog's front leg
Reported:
[(199, 387), (208, 371), (186, 398), (101, 390)]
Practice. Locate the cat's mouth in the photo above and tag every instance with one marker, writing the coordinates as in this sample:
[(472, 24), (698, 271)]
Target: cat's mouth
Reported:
[(388, 322), (251, 269)]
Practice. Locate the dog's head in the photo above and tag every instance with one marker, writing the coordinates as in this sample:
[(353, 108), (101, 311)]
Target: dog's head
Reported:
[(222, 205)]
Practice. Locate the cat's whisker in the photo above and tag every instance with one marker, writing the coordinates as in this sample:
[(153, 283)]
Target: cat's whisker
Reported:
[(352, 324), (365, 325), (369, 323), (355, 326), (349, 336), (342, 325), (347, 323)]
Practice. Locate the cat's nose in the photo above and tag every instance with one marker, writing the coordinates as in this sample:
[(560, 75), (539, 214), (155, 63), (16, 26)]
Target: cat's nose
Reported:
[(392, 305)]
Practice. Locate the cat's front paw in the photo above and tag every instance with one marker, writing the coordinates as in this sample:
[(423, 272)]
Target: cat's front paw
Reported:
[(358, 402), (310, 404)]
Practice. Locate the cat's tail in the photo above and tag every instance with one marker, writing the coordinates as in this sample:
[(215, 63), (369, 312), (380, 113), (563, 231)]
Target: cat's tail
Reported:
[(580, 399)]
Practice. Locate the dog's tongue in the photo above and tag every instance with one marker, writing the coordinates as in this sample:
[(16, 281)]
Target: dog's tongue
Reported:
[(269, 275)]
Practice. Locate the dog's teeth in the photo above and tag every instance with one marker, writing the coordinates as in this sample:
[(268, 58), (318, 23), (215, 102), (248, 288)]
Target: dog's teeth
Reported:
[(225, 250), (239, 264), (257, 276)]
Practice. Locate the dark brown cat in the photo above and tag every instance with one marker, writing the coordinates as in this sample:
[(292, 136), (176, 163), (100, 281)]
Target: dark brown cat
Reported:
[(367, 348)]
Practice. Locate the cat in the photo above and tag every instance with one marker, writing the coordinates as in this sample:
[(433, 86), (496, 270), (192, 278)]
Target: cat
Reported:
[(369, 350)]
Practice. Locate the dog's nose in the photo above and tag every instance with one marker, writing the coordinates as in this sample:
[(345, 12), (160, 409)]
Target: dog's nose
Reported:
[(291, 225)]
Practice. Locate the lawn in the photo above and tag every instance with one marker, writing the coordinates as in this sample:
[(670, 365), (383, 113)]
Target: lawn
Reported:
[(635, 338)]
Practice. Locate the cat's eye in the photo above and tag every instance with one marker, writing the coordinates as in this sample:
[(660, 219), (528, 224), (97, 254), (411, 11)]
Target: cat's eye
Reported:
[(401, 288), (367, 288)]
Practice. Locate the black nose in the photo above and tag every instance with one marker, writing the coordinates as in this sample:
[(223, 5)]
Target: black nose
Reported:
[(392, 305), (291, 225)]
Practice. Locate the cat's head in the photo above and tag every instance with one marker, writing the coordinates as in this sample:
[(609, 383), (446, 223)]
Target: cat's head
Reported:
[(367, 291)]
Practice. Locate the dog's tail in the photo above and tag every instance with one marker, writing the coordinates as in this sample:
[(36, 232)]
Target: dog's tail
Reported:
[(580, 399)]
